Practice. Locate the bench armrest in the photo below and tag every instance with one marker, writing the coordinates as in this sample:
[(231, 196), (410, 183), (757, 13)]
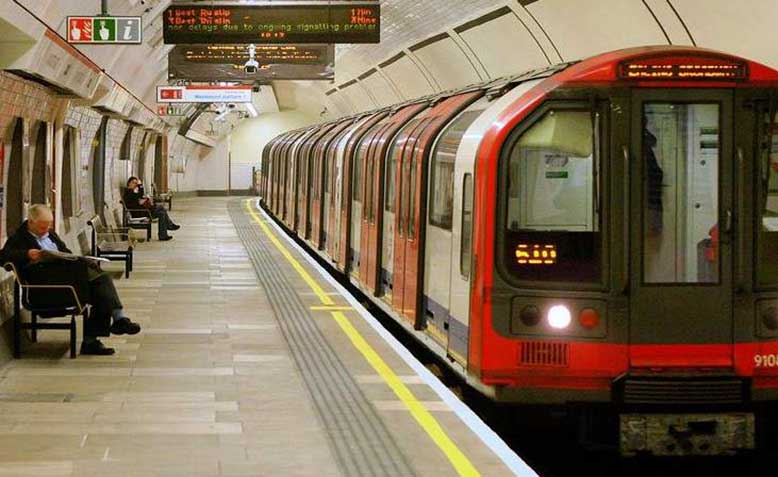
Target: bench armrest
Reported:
[(76, 302), (116, 236), (26, 288), (145, 211)]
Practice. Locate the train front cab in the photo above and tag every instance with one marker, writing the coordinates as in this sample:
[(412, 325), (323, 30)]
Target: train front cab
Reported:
[(631, 211)]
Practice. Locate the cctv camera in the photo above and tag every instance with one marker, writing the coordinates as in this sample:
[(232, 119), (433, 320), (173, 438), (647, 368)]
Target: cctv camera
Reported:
[(251, 66), (231, 106)]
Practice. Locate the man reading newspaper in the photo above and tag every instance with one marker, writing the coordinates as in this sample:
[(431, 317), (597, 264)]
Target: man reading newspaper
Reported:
[(42, 257)]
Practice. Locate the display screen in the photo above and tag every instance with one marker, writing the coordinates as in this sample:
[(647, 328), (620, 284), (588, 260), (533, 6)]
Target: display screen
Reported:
[(309, 23), (536, 254), (276, 62), (688, 69), (553, 256)]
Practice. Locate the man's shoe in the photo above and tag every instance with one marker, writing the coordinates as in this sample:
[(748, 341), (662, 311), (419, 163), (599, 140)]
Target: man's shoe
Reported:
[(173, 227), (165, 239), (123, 326), (96, 348)]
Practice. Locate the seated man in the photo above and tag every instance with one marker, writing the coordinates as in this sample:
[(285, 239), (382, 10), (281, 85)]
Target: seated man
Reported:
[(134, 198), (25, 249)]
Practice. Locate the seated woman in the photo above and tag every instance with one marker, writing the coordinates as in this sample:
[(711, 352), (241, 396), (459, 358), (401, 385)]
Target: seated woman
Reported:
[(135, 198), (25, 249)]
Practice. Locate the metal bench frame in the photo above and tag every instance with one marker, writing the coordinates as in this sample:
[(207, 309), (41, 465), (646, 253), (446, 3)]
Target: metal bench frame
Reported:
[(137, 223), (22, 299), (166, 197), (102, 234)]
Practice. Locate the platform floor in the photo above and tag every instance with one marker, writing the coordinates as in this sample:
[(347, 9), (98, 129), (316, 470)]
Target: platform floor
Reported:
[(249, 363)]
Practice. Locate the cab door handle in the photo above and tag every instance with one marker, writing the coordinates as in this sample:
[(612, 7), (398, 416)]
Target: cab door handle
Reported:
[(728, 221)]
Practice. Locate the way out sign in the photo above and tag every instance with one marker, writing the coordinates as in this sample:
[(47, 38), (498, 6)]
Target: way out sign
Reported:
[(105, 30)]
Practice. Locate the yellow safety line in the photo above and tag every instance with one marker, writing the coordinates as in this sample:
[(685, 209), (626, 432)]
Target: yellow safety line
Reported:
[(295, 264), (331, 308), (425, 419)]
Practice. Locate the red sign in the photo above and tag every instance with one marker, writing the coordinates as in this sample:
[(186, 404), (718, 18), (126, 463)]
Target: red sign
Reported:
[(79, 30), (170, 93)]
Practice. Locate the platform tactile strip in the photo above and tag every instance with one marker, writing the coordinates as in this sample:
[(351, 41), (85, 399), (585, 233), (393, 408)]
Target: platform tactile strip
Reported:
[(359, 439)]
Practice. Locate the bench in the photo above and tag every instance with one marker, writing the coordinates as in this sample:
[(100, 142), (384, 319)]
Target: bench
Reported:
[(143, 220), (166, 197), (59, 301), (115, 244)]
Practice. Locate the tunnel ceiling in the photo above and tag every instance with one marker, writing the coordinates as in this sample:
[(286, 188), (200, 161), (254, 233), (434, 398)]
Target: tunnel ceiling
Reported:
[(434, 45)]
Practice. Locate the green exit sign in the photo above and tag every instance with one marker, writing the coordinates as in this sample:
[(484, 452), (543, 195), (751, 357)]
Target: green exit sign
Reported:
[(105, 30)]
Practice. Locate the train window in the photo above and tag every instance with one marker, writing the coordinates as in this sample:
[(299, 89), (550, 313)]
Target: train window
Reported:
[(394, 157), (768, 234), (466, 244), (412, 199), (552, 222), (442, 171), (360, 162), (356, 172), (680, 161)]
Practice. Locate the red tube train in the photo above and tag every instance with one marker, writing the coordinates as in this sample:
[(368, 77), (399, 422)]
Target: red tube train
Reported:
[(602, 232)]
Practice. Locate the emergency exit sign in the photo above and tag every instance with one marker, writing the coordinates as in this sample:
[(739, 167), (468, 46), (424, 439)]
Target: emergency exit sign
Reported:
[(170, 110), (105, 30)]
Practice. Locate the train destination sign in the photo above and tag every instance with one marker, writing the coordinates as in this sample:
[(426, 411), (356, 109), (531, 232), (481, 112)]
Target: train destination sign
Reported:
[(204, 94), (105, 30), (309, 23), (688, 69), (227, 62)]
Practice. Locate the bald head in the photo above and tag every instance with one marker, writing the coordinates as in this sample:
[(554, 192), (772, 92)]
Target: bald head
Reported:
[(39, 219)]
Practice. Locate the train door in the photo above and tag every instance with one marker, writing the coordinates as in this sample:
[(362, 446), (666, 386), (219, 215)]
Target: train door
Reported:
[(369, 229), (405, 203), (357, 200), (295, 163), (446, 285), (321, 186), (335, 180), (344, 196), (681, 216), (374, 235), (409, 238)]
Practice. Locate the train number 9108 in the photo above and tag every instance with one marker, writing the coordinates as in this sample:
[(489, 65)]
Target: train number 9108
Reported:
[(766, 360)]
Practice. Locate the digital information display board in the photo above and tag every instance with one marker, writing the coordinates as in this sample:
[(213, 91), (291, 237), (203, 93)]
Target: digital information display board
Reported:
[(310, 23), (276, 62)]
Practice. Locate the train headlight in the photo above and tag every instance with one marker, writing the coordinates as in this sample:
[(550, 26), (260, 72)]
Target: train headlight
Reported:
[(559, 317), (770, 318)]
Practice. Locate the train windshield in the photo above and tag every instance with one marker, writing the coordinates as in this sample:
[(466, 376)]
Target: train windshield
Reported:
[(767, 263), (553, 231)]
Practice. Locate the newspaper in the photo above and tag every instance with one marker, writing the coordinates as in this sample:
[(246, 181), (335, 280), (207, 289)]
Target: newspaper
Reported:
[(52, 255)]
